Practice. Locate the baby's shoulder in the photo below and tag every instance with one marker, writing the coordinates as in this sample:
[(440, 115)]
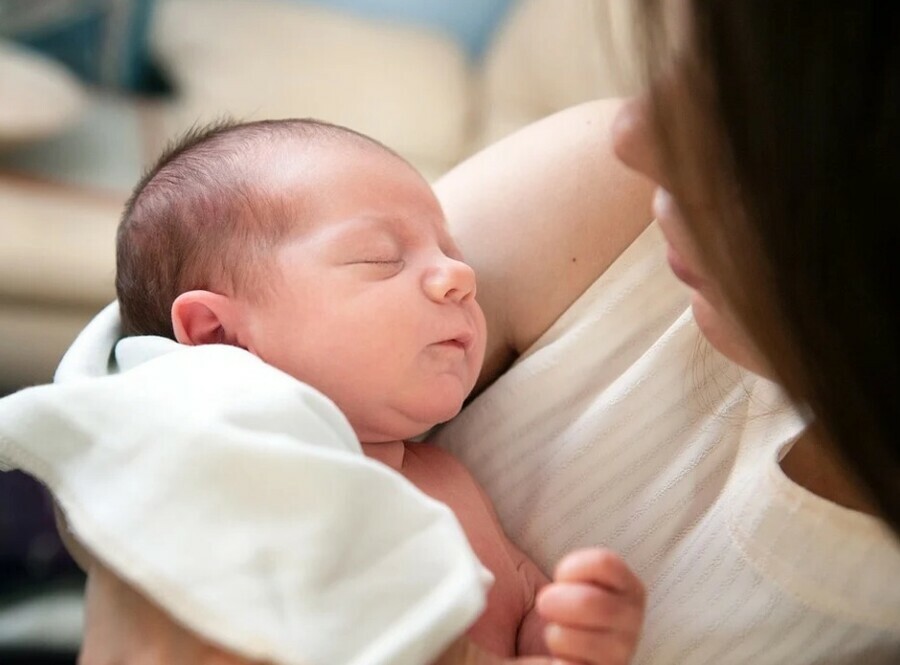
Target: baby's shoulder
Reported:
[(432, 454), (430, 464)]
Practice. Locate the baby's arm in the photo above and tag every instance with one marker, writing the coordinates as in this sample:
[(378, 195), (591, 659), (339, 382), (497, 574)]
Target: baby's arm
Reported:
[(591, 613), (594, 608), (530, 640)]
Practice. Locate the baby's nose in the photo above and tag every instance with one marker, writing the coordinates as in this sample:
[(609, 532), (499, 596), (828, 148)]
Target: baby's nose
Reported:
[(450, 281)]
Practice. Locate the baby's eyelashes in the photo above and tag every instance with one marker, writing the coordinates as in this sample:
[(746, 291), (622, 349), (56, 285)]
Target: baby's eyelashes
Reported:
[(379, 268)]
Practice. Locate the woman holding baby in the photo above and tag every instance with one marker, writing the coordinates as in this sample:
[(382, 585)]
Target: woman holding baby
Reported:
[(753, 485)]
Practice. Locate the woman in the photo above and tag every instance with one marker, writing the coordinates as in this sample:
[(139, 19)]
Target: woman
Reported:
[(770, 135)]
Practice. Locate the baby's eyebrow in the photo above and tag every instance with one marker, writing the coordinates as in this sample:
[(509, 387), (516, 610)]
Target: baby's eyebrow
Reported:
[(403, 232), (402, 228), (372, 228), (362, 232)]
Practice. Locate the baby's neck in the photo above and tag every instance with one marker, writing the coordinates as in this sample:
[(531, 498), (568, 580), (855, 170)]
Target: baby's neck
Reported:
[(389, 453)]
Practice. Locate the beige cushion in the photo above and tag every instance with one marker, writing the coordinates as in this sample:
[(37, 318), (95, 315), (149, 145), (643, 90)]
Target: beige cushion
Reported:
[(407, 87), (59, 244), (552, 54), (38, 97), (57, 264), (33, 339)]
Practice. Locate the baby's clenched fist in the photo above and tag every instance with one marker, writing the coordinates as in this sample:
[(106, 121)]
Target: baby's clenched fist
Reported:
[(594, 609)]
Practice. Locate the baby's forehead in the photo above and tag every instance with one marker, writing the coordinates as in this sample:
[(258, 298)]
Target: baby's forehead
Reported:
[(289, 166), (339, 146)]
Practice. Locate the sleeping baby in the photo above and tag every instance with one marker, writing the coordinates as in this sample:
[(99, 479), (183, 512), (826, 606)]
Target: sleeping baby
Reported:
[(326, 255)]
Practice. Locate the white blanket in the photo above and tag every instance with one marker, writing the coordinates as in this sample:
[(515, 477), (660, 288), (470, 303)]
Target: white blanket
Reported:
[(239, 500)]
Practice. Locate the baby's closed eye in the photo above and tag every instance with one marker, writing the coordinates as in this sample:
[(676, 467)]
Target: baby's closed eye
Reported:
[(379, 261), (378, 267)]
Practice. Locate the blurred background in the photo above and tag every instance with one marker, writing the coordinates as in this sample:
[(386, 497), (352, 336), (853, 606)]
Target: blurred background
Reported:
[(92, 90)]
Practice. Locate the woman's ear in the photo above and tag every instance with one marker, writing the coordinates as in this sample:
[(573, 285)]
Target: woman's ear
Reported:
[(204, 317)]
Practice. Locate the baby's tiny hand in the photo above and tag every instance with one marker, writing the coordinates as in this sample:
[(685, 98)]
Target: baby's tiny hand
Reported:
[(594, 609)]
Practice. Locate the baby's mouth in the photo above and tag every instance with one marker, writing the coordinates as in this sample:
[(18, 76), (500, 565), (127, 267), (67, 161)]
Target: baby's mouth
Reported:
[(463, 342)]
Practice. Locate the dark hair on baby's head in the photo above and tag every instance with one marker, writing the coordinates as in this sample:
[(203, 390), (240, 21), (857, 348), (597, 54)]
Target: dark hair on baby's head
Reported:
[(204, 216)]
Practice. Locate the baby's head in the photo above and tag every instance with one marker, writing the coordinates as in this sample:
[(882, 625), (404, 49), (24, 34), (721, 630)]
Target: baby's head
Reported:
[(320, 251), (209, 212)]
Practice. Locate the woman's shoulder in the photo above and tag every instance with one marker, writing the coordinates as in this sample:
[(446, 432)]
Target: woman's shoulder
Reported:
[(540, 215)]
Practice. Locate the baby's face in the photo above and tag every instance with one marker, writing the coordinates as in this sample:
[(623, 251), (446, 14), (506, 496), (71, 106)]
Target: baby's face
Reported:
[(372, 303)]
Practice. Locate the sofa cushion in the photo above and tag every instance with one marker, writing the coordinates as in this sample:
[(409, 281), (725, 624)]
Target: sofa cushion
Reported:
[(469, 22), (40, 98), (408, 87), (59, 244), (552, 54)]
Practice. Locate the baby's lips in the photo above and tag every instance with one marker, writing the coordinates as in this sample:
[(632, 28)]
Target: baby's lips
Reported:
[(466, 339)]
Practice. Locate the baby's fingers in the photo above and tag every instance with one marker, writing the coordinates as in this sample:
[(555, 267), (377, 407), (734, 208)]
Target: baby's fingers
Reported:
[(601, 567), (594, 608), (589, 607), (576, 646)]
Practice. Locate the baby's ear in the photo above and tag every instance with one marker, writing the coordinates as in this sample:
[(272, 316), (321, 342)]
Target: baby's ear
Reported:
[(204, 317)]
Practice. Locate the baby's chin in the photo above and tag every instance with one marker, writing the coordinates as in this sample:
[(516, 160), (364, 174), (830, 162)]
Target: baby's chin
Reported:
[(402, 424), (442, 406)]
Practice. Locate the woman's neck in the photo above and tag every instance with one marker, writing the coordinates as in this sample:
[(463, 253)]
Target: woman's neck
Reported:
[(812, 463)]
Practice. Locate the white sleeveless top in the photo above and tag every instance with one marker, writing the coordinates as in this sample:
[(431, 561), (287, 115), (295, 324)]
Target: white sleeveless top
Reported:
[(621, 427)]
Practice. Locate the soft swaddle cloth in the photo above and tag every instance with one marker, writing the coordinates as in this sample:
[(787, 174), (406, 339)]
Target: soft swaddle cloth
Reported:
[(238, 499)]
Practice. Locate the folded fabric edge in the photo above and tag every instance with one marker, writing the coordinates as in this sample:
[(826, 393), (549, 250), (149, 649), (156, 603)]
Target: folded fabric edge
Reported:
[(437, 618)]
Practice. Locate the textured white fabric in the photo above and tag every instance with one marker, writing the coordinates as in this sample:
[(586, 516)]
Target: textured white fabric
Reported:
[(620, 428), (239, 499)]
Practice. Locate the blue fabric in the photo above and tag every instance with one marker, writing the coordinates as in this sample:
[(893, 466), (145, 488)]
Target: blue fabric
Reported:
[(103, 42), (471, 22)]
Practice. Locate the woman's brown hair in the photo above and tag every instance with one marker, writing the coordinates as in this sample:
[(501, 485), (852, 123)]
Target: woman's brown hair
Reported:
[(787, 119)]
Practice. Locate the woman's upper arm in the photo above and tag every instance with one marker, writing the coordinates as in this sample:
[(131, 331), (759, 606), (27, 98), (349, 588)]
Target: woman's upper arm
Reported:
[(540, 215)]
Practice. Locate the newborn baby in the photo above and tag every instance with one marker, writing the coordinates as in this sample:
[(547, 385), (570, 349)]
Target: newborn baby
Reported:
[(326, 255)]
